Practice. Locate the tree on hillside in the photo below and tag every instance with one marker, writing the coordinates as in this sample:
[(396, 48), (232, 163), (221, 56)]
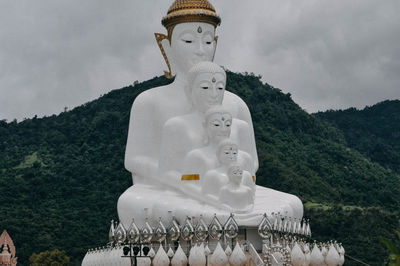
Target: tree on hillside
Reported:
[(394, 248), (50, 258)]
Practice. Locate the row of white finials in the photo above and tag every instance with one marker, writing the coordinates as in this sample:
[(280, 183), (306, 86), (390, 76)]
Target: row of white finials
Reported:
[(330, 254)]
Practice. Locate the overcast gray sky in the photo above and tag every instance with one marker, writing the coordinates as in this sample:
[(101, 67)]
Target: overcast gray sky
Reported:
[(327, 54)]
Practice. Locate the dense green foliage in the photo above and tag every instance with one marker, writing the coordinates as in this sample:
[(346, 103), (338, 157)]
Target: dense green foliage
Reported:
[(61, 176), (373, 131), (359, 229), (50, 258)]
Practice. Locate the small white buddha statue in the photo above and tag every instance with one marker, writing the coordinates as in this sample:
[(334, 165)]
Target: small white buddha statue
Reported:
[(181, 134), (205, 168), (234, 194), (227, 153), (193, 138), (221, 150), (217, 127)]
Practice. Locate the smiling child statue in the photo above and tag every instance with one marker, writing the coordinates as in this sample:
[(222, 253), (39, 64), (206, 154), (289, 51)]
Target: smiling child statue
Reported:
[(167, 122)]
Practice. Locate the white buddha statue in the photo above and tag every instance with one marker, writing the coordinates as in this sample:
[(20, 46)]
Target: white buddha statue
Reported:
[(216, 177), (235, 194), (154, 153), (191, 39), (218, 125), (181, 134), (184, 133)]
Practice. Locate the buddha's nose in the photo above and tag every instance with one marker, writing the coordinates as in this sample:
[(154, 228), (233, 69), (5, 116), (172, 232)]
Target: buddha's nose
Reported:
[(214, 92), (226, 129), (200, 49)]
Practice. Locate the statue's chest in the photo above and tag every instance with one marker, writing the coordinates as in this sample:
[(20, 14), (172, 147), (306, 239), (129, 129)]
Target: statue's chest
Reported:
[(172, 108)]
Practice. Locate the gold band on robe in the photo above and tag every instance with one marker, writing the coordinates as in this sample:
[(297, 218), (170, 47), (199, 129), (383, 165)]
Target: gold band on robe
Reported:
[(190, 177), (254, 178)]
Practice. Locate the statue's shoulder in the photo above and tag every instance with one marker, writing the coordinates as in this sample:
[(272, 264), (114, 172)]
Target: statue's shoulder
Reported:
[(152, 96), (236, 105), (245, 156), (230, 96), (239, 123)]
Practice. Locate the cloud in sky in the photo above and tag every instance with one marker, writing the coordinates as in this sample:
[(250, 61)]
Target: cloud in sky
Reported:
[(327, 54)]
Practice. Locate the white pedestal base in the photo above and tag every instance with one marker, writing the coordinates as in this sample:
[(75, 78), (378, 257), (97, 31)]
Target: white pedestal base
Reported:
[(159, 201)]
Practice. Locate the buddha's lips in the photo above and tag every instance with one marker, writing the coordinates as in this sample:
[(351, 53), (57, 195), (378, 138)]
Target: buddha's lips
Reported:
[(198, 59), (213, 102)]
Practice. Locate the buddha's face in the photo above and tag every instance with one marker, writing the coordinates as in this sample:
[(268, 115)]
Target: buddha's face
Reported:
[(235, 174), (219, 126), (208, 90), (191, 43), (228, 154)]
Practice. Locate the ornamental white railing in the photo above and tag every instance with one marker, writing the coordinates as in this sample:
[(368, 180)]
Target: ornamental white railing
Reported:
[(285, 241)]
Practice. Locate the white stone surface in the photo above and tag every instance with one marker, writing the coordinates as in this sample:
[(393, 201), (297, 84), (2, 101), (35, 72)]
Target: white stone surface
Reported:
[(152, 253), (332, 258), (228, 251), (170, 252), (324, 252), (218, 258), (297, 256), (197, 256), (207, 251), (237, 258), (316, 257), (161, 258), (307, 254), (133, 201), (144, 262), (341, 255), (179, 258)]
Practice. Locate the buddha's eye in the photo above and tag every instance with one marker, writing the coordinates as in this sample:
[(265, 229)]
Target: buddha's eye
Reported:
[(208, 39), (204, 87), (187, 37), (220, 88), (215, 123)]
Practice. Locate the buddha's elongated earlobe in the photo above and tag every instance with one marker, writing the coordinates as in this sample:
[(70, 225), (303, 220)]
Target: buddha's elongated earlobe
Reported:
[(160, 38), (215, 47), (205, 136)]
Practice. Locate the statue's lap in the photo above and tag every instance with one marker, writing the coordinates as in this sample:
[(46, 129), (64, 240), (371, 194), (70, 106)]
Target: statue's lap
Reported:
[(160, 201)]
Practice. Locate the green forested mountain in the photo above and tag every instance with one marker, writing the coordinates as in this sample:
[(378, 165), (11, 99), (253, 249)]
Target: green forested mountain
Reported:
[(373, 131), (61, 176)]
